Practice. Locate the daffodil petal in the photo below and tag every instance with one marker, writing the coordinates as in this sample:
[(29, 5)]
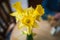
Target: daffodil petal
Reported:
[(35, 25), (14, 14)]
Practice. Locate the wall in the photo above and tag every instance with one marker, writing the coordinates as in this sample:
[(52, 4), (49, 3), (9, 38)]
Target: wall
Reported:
[(23, 2)]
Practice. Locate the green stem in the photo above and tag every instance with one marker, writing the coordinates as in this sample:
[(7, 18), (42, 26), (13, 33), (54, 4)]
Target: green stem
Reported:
[(30, 37)]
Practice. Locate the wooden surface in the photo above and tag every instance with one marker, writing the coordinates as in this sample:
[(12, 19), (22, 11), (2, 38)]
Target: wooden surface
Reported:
[(42, 33)]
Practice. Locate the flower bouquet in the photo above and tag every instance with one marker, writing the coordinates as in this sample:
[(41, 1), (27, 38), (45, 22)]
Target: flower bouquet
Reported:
[(27, 18)]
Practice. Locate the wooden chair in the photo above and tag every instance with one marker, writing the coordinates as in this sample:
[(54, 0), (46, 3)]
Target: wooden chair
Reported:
[(5, 18)]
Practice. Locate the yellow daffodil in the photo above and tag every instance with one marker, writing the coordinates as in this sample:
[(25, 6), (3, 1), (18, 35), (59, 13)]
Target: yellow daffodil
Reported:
[(40, 10), (29, 11), (30, 23), (18, 7), (27, 17)]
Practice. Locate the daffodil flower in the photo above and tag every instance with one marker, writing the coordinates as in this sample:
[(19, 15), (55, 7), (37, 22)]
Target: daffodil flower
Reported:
[(27, 17), (29, 11), (18, 7), (40, 10)]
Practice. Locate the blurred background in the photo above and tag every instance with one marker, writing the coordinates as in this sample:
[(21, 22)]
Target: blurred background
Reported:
[(52, 7)]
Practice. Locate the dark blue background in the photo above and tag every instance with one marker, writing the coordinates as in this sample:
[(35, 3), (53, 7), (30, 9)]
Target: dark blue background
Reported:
[(51, 7)]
